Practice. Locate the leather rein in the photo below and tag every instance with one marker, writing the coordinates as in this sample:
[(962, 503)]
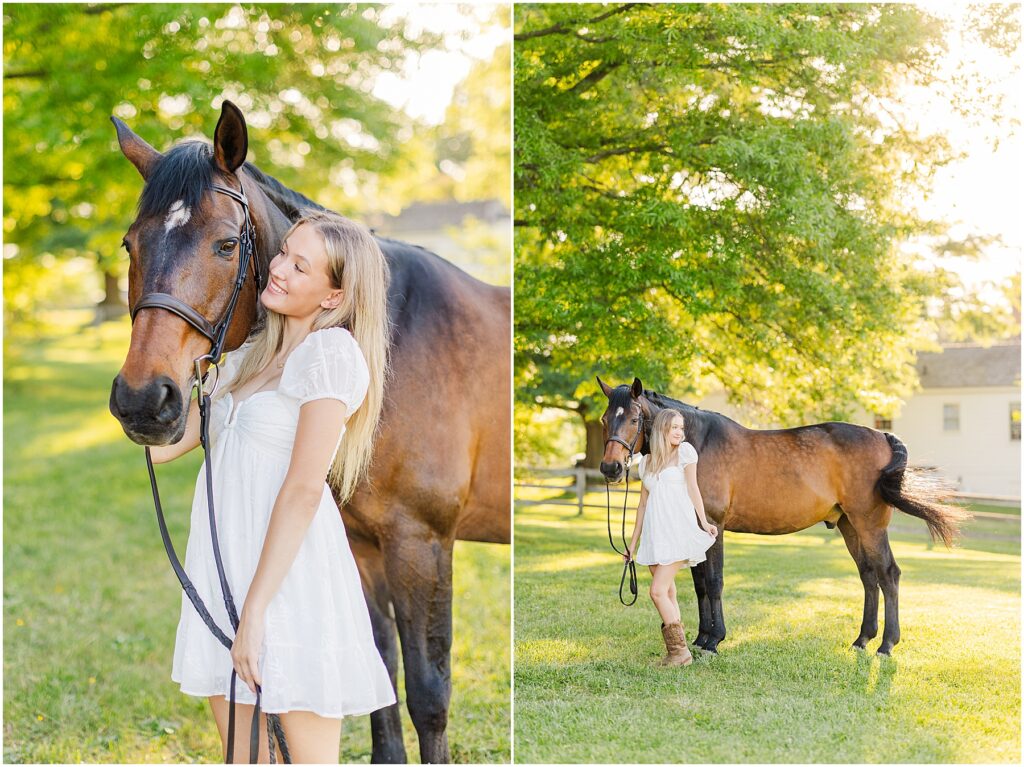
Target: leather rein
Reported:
[(630, 566), (216, 334)]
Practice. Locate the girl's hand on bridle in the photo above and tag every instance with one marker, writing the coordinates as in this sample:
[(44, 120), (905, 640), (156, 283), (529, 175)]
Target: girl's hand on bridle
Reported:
[(245, 650), (628, 555)]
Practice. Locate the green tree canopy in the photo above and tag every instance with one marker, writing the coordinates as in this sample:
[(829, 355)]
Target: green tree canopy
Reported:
[(720, 191), (302, 73)]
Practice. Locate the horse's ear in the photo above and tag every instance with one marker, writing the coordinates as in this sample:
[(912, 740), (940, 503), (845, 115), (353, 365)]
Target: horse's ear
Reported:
[(604, 387), (230, 139), (638, 388), (139, 153)]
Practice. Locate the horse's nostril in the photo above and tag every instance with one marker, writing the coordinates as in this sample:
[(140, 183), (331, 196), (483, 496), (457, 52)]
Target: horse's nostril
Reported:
[(167, 408)]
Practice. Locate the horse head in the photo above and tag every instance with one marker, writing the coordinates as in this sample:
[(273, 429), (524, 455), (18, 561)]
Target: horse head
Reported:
[(623, 423), (184, 247)]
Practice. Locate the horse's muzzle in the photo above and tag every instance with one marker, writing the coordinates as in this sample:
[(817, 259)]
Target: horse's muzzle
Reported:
[(613, 471), (152, 415)]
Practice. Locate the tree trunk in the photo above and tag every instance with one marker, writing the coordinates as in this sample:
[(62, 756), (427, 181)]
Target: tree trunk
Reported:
[(111, 306), (595, 444)]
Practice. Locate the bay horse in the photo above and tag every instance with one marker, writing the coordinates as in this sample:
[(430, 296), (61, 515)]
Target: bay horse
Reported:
[(441, 468), (776, 481)]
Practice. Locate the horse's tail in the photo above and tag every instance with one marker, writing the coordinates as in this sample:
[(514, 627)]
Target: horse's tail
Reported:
[(920, 493)]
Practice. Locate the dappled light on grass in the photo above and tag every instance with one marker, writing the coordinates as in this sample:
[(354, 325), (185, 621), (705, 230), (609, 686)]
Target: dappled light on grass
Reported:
[(552, 651), (555, 563), (91, 431)]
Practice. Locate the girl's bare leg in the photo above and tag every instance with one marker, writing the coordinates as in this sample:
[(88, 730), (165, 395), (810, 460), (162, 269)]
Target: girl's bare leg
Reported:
[(663, 591), (243, 725), (312, 739), (673, 598)]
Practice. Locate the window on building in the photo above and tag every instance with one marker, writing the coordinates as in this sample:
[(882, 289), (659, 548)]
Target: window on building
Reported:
[(1015, 421), (883, 424), (951, 417)]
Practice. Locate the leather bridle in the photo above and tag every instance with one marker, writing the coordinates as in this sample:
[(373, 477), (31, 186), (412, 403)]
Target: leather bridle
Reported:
[(247, 255), (630, 566), (216, 334)]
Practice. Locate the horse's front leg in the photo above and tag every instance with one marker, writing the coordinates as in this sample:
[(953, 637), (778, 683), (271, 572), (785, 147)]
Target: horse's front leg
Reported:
[(385, 723), (419, 569), (715, 565), (699, 574)]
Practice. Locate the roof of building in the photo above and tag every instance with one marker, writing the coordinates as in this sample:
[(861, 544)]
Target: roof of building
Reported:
[(430, 216), (965, 365)]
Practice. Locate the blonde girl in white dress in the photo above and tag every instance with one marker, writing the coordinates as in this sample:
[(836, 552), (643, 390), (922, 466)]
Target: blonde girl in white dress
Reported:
[(670, 524), (296, 404)]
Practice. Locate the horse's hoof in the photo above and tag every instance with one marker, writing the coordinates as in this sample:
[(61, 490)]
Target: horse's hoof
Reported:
[(886, 651), (860, 644)]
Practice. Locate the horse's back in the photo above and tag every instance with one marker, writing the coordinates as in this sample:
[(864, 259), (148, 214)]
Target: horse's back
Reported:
[(782, 480)]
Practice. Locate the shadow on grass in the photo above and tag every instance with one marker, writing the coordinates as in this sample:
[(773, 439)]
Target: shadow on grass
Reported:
[(786, 686)]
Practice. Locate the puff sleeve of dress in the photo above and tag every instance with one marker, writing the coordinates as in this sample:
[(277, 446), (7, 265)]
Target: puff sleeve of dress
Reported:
[(687, 454), (328, 364), (640, 464)]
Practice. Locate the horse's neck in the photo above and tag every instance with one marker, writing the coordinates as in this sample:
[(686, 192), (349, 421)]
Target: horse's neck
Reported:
[(698, 422), (270, 223)]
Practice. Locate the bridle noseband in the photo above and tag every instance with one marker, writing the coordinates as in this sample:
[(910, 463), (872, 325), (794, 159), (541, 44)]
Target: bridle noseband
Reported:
[(216, 334), (630, 565)]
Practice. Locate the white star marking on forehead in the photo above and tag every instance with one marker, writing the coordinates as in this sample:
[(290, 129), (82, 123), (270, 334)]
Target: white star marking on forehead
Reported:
[(619, 412), (178, 215)]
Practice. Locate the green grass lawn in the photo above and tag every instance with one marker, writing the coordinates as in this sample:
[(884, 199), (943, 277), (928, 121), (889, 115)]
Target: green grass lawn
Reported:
[(91, 603), (786, 686)]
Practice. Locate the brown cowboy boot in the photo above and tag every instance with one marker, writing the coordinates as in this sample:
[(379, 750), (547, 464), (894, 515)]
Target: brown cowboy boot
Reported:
[(666, 634), (675, 641)]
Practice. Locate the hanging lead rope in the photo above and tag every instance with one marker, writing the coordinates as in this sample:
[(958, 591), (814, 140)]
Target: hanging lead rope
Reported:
[(630, 565)]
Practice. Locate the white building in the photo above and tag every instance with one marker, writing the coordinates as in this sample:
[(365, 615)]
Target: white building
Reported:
[(964, 420)]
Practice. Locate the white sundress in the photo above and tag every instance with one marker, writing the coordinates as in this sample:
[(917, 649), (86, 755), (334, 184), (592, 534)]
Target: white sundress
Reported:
[(318, 652), (670, 531)]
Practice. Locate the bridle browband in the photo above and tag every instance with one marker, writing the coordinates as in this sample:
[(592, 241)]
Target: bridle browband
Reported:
[(216, 334), (630, 566)]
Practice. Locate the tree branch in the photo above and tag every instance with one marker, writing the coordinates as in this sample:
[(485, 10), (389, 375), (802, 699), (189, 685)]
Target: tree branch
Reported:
[(626, 150), (561, 27), (26, 74), (596, 75)]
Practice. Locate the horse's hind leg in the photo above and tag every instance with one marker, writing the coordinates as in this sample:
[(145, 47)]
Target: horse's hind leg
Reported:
[(419, 570), (699, 574), (880, 555), (385, 723), (868, 576), (714, 580)]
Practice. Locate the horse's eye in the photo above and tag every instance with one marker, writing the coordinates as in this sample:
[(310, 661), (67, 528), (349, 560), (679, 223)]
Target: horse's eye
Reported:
[(228, 247), (126, 246)]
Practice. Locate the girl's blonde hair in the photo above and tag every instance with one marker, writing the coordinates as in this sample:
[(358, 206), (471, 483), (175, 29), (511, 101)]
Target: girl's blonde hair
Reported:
[(355, 264), (662, 453)]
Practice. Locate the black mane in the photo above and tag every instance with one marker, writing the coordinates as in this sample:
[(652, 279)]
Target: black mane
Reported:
[(183, 173), (186, 171), (703, 427), (290, 202)]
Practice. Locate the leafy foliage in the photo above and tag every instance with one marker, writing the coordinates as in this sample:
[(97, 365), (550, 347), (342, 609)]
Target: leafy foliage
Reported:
[(719, 192), (304, 74)]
